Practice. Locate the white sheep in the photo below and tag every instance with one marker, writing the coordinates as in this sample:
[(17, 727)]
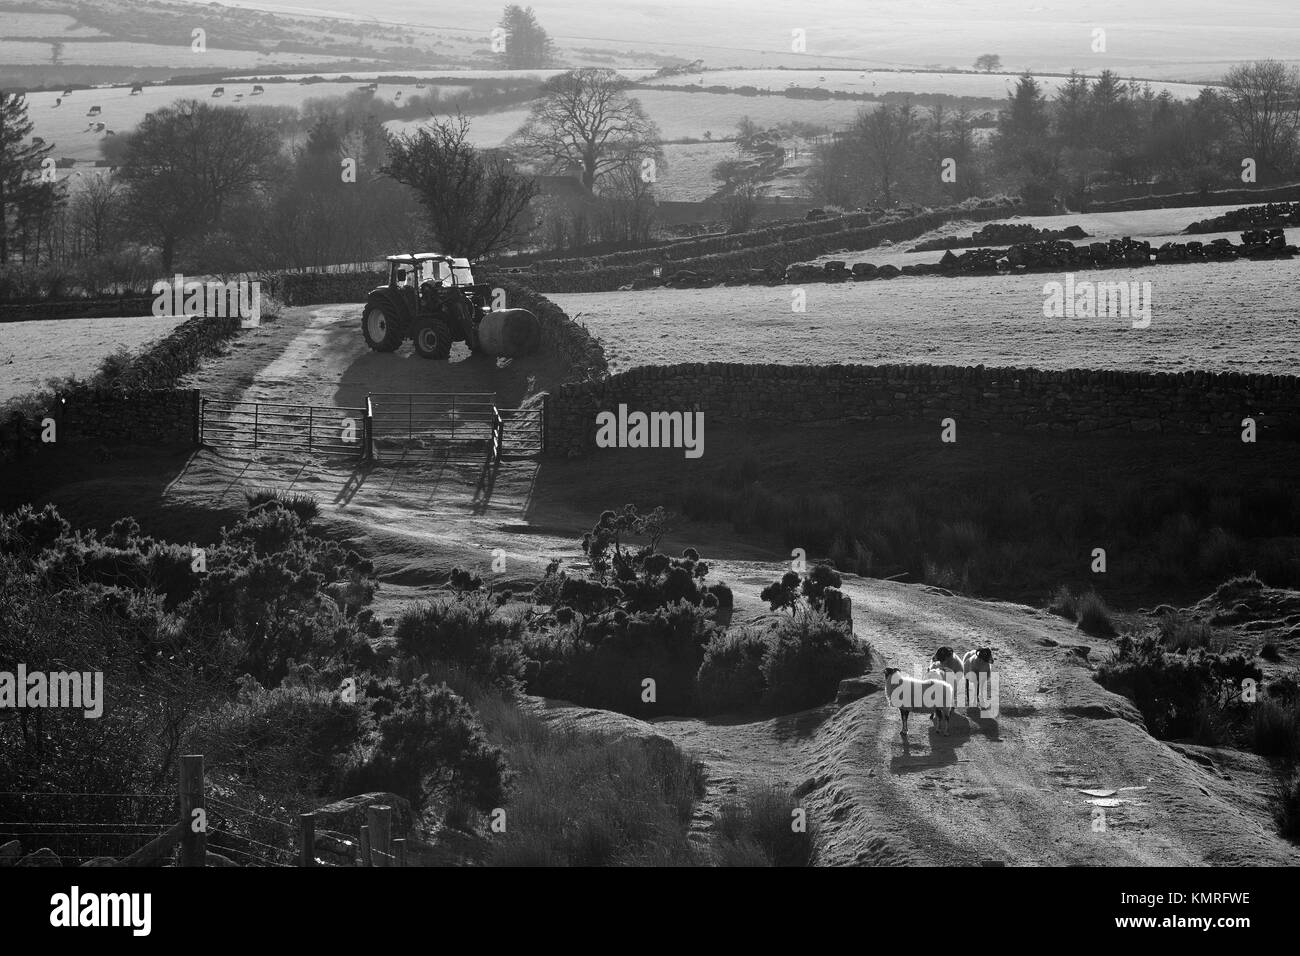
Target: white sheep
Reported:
[(934, 695)]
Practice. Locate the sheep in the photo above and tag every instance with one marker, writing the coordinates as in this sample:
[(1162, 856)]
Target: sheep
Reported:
[(948, 659), (978, 661), (947, 665), (930, 694)]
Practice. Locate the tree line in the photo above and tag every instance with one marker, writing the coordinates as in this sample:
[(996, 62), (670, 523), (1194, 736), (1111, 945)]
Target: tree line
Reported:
[(1093, 133), (202, 188)]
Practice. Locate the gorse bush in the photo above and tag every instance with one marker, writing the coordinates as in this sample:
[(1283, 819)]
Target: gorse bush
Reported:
[(1171, 689), (462, 629), (423, 740), (602, 660), (305, 507), (643, 616), (807, 657), (792, 590), (289, 740), (730, 677)]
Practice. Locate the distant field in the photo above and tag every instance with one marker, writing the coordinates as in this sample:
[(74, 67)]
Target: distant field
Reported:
[(689, 176), (53, 25), (878, 82), (687, 115), (467, 74), (1156, 225), (1165, 39), (67, 126), (115, 53), (32, 352), (1198, 322)]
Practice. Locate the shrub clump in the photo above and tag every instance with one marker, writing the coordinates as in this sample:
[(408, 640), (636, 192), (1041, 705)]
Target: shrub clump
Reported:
[(808, 656), (421, 740), (730, 677), (1172, 690)]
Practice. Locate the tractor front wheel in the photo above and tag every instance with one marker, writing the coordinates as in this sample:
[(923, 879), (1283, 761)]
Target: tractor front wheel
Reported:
[(381, 332), (432, 339)]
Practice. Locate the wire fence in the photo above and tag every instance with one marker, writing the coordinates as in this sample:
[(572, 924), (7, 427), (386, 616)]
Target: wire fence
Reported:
[(189, 827)]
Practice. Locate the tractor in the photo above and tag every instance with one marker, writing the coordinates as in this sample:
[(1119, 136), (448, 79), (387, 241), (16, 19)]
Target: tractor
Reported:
[(430, 298)]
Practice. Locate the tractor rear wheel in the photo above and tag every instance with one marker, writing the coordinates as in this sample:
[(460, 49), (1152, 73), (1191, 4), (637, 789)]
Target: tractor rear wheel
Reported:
[(432, 339), (381, 332)]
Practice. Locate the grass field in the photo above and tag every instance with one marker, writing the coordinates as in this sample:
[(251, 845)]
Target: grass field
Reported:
[(69, 128), (53, 25), (116, 53), (1198, 322), (33, 352), (687, 115)]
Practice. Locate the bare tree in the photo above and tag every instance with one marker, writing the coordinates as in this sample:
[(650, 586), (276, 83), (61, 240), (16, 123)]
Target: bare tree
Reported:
[(887, 136), (1264, 106), (586, 120), (988, 62), (95, 210), (472, 199), (185, 163)]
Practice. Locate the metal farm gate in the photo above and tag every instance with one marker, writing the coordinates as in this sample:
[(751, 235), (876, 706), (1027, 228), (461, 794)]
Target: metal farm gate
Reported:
[(274, 426), (521, 431), (390, 426), (407, 425)]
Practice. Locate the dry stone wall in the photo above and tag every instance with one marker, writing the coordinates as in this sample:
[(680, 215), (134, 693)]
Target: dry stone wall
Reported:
[(1001, 399)]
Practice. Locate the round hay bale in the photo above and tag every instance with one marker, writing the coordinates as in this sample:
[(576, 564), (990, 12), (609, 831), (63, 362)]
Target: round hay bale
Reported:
[(509, 333)]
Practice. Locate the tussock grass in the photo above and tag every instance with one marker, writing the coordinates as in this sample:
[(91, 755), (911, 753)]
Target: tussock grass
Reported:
[(583, 800), (757, 828), (1182, 634), (1095, 616)]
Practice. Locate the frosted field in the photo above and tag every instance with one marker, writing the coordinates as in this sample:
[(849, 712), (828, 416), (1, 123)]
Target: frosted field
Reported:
[(683, 115), (538, 75), (13, 24), (67, 125), (118, 53), (32, 352), (1157, 226), (1234, 316)]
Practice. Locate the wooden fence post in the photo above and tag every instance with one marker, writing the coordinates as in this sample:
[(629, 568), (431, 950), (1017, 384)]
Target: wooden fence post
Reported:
[(365, 846), (399, 851), (379, 820), (194, 838), (307, 839)]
